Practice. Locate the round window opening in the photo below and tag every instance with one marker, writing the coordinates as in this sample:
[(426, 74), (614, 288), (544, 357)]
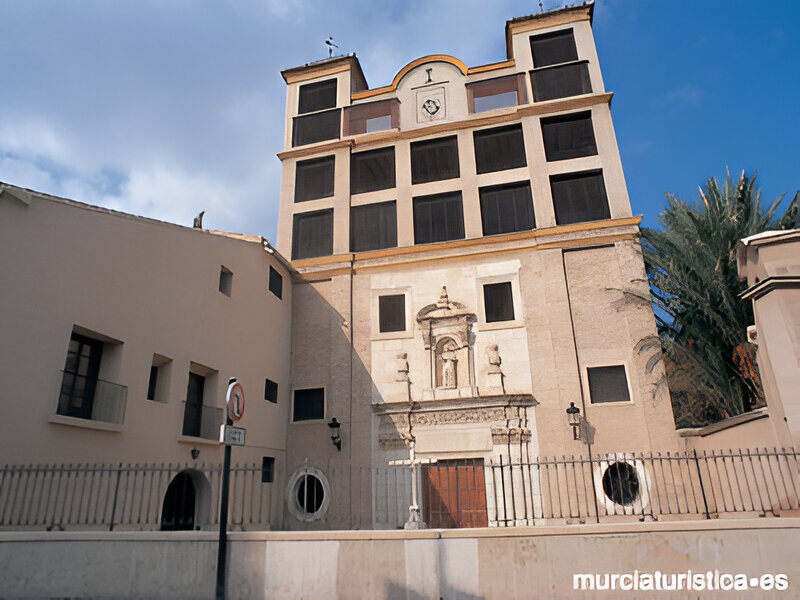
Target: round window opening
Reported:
[(310, 494), (621, 483)]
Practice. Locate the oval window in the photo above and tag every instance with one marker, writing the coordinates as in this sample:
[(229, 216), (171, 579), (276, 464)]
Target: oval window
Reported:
[(621, 483)]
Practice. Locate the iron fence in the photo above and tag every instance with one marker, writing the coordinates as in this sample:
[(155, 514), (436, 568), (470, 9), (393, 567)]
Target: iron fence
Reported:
[(134, 497), (670, 485)]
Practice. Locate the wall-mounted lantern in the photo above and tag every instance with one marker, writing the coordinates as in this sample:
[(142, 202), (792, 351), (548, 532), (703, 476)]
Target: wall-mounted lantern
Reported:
[(574, 418), (335, 437)]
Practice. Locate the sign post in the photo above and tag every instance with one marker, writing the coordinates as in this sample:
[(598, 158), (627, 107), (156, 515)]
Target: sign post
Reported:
[(229, 435)]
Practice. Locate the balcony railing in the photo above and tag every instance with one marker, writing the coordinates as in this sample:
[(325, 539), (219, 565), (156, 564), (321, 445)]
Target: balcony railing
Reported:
[(92, 399), (201, 420)]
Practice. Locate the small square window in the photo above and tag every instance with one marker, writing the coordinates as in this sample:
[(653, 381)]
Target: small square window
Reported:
[(312, 234), (392, 313), (579, 197), (553, 48), (373, 226), (225, 280), (507, 208), (438, 218), (434, 160), (498, 302), (608, 384), (267, 469), (317, 96), (313, 178), (372, 170), (568, 136), (275, 282), (309, 404), (270, 391)]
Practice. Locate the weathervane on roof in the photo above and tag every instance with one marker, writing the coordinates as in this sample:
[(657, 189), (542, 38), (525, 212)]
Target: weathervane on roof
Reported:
[(331, 45), (541, 6)]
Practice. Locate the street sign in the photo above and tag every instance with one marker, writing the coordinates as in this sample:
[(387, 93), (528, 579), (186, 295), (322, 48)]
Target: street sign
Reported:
[(231, 436), (235, 401)]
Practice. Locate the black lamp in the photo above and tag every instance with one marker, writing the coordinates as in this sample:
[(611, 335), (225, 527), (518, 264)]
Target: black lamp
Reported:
[(335, 437), (574, 418)]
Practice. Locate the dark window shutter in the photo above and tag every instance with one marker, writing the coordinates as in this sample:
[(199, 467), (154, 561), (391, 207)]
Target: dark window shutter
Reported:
[(317, 127), (608, 384), (270, 391), (438, 218), (499, 149), (309, 404), (579, 197), (507, 208), (312, 234), (569, 136), (317, 96), (498, 302), (434, 160), (275, 282), (313, 179), (561, 82), (373, 226), (372, 170), (392, 313), (553, 48)]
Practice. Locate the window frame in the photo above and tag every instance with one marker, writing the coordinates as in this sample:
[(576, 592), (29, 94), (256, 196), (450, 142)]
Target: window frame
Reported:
[(585, 81), (418, 200), (606, 364), (482, 133), (491, 273), (551, 35), (267, 387), (310, 163), (494, 188), (359, 156), (304, 118), (381, 312), (566, 118), (317, 84), (427, 144), (296, 217), (573, 175), (270, 280), (363, 207), (324, 404)]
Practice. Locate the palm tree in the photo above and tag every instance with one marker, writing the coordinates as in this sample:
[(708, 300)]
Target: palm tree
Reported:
[(702, 322)]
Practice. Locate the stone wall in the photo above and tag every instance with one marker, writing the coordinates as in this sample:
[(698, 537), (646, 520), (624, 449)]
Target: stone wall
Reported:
[(471, 564)]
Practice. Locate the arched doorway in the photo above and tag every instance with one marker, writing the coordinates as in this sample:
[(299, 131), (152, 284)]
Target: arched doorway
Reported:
[(177, 513)]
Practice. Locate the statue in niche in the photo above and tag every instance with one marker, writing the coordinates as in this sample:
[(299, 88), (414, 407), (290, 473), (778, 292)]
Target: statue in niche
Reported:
[(447, 362), (401, 364), (493, 355)]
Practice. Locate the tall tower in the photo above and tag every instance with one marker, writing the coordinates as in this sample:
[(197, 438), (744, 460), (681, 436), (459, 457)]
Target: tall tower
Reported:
[(469, 266)]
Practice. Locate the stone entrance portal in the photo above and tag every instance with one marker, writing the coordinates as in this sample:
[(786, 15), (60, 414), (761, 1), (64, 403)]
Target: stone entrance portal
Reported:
[(454, 494)]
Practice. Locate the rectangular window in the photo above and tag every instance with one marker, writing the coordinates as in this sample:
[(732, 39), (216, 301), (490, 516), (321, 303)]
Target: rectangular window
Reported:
[(193, 412), (312, 234), (499, 149), (507, 208), (270, 391), (438, 218), (275, 282), (373, 226), (317, 127), (80, 379), (553, 48), (152, 382), (309, 404), (157, 383), (500, 92), (560, 82), (568, 136), (313, 179), (608, 384), (317, 96), (267, 469), (372, 170), (392, 313), (371, 116), (225, 280), (579, 197), (498, 302), (434, 160)]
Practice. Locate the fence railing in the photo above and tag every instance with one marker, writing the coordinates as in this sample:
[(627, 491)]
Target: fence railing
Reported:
[(91, 398), (669, 485), (135, 497)]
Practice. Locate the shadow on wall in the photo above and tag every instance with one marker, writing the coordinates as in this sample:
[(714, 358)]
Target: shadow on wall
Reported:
[(323, 357), (395, 591)]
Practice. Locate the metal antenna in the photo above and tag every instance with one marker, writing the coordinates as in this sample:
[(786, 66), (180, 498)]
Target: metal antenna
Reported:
[(331, 46)]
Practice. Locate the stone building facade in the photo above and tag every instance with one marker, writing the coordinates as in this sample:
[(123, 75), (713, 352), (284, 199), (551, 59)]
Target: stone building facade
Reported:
[(468, 263)]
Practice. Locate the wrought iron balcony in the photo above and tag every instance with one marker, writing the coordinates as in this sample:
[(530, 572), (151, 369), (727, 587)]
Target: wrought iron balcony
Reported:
[(201, 420), (85, 397)]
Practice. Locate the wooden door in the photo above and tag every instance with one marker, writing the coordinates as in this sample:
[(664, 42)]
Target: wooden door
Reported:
[(454, 494)]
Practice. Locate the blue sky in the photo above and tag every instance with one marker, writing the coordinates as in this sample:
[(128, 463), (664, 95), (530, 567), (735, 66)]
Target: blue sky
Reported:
[(164, 109)]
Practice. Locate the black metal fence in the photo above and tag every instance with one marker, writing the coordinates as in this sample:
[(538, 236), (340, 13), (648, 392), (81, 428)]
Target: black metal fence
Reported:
[(134, 496), (627, 486)]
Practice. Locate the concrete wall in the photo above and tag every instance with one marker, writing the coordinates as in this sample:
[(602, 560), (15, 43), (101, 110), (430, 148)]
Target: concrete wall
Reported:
[(448, 564)]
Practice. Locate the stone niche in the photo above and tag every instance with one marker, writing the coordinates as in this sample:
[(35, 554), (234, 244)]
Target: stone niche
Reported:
[(445, 328)]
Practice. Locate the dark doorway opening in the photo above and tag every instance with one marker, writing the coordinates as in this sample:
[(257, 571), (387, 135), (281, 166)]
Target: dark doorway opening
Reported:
[(179, 501)]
